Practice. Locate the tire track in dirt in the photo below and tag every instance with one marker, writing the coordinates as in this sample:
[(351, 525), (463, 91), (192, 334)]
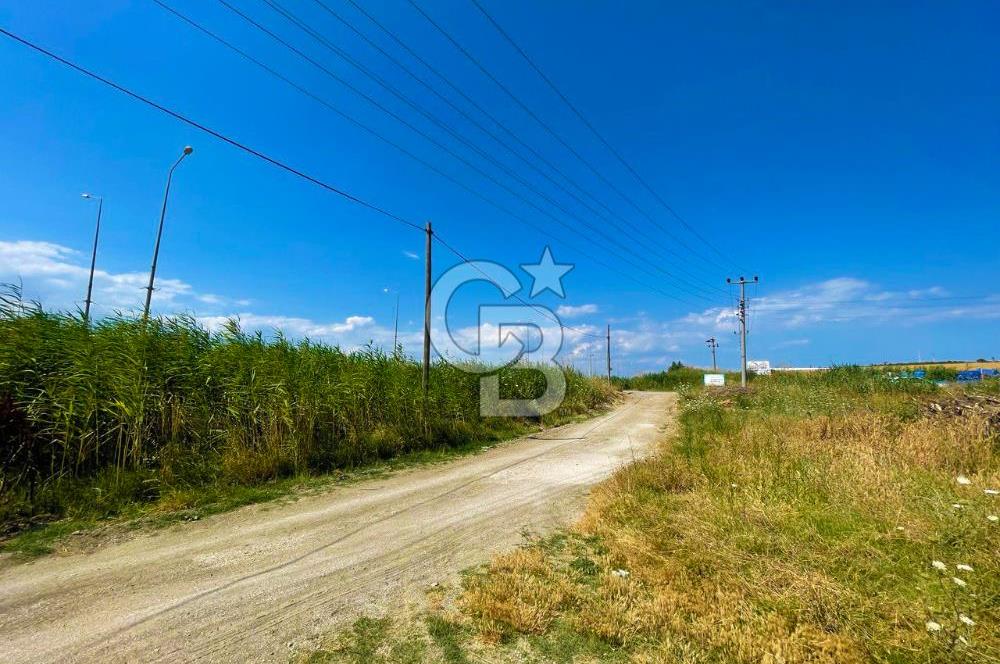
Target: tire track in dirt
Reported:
[(239, 586)]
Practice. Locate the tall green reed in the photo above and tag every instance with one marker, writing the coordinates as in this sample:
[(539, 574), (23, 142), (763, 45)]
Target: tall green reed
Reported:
[(188, 406)]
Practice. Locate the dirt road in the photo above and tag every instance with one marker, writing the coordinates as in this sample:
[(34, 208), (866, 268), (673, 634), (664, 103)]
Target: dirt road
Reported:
[(261, 582)]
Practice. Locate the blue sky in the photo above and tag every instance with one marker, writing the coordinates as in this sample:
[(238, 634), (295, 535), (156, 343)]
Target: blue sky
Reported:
[(846, 152)]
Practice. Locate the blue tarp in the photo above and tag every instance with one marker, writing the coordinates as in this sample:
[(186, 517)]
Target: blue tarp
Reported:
[(976, 374)]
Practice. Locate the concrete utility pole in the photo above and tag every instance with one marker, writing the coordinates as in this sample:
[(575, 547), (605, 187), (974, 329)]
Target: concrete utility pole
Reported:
[(609, 353), (159, 233), (742, 314), (425, 383), (93, 257), (713, 344)]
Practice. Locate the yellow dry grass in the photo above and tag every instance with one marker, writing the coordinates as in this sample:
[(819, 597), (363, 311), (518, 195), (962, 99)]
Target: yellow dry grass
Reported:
[(772, 538), (959, 366)]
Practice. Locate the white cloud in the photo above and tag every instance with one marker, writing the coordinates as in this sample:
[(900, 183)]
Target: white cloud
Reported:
[(568, 311), (290, 325), (55, 275), (411, 255)]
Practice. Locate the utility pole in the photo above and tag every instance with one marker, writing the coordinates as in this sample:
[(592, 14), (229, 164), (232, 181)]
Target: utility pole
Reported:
[(427, 313), (159, 233), (609, 354), (742, 315), (713, 344), (93, 257)]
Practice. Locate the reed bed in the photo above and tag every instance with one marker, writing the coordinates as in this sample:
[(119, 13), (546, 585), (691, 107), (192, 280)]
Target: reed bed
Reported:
[(125, 411)]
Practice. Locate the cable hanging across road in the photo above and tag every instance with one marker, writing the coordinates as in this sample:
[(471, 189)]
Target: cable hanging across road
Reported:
[(544, 125), (693, 289), (609, 216), (249, 150), (594, 131), (502, 208)]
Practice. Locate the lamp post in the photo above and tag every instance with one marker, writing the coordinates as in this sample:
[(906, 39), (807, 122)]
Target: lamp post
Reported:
[(395, 326), (159, 233), (93, 256)]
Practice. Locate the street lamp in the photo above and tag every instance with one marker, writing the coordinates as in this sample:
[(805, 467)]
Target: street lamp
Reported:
[(159, 233), (395, 327), (93, 256)]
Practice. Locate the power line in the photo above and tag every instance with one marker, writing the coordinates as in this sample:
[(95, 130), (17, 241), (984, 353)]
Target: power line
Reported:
[(485, 112), (230, 141), (593, 130), (542, 123), (541, 310), (340, 53), (211, 132), (472, 120), (410, 154)]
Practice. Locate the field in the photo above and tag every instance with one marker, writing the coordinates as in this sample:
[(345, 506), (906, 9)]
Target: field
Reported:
[(123, 418), (834, 517), (956, 366)]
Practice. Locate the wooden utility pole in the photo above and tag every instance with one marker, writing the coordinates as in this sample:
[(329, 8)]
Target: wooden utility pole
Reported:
[(425, 383), (609, 353), (742, 315), (713, 344)]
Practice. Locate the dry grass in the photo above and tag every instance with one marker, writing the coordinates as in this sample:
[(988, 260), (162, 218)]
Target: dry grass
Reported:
[(958, 366), (763, 536), (794, 522)]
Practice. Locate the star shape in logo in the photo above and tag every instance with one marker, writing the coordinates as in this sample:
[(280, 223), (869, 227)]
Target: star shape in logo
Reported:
[(546, 274)]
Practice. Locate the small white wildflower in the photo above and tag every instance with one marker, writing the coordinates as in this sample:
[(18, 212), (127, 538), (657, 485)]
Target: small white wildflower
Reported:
[(900, 528), (937, 564), (966, 619), (733, 485), (964, 641), (993, 517), (956, 506), (963, 480), (963, 567), (958, 582), (620, 573), (991, 492), (933, 626)]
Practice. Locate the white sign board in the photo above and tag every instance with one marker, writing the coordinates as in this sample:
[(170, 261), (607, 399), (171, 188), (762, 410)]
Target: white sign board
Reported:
[(717, 380), (759, 367)]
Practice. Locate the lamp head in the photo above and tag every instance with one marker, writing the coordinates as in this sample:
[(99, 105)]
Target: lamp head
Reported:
[(188, 149)]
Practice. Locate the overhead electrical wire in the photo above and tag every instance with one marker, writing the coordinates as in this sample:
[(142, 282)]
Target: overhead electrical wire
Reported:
[(246, 149), (207, 130), (423, 162), (607, 216), (548, 129), (485, 112), (594, 131), (691, 287)]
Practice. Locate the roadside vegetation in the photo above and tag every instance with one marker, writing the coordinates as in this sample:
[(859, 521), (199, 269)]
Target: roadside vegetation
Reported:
[(123, 418), (676, 377), (844, 516)]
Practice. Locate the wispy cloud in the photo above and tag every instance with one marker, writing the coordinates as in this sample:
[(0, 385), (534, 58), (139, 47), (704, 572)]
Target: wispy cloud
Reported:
[(298, 327), (411, 255), (56, 275), (569, 311)]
